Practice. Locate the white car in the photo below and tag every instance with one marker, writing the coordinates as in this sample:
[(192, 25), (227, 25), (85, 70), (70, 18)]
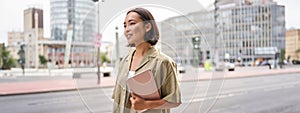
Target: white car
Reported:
[(230, 66), (180, 68)]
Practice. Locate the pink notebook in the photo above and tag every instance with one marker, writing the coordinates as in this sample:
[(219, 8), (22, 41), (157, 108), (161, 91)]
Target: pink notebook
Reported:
[(144, 85)]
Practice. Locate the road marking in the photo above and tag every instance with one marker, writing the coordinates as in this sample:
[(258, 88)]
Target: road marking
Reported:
[(233, 93)]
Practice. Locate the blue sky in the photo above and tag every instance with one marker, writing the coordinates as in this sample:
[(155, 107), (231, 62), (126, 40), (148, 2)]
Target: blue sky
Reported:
[(12, 14)]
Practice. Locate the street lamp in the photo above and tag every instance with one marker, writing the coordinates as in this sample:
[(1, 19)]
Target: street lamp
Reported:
[(217, 33), (117, 46), (98, 36)]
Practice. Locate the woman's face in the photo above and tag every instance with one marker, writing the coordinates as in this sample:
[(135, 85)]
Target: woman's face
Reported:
[(134, 29)]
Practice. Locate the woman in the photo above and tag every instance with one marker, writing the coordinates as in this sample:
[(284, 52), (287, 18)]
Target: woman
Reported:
[(141, 32)]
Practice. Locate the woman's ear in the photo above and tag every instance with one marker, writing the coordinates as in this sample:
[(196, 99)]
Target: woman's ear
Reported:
[(148, 26)]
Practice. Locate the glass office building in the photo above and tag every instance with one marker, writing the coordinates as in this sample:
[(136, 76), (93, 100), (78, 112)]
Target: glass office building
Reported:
[(81, 14), (246, 30)]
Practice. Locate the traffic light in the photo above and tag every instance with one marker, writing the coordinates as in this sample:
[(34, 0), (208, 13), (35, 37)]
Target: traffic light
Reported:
[(196, 42), (21, 60), (21, 54)]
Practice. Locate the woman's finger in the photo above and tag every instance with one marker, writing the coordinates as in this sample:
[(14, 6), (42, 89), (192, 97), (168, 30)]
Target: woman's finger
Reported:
[(133, 95)]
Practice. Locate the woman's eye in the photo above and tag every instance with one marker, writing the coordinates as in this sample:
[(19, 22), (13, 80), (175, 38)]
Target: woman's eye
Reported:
[(132, 23)]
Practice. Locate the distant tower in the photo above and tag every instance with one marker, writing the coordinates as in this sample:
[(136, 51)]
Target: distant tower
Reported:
[(33, 31)]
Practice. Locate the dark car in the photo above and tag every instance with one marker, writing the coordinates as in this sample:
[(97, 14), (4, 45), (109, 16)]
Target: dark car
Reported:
[(296, 62)]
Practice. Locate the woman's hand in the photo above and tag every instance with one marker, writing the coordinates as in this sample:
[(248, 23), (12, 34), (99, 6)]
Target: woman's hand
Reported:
[(138, 103)]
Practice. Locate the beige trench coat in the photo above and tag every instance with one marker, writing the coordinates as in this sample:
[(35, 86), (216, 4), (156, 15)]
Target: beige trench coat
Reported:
[(164, 70)]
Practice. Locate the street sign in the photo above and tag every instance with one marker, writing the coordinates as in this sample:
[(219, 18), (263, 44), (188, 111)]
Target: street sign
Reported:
[(98, 40)]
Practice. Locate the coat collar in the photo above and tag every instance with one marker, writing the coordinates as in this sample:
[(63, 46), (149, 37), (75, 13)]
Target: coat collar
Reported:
[(151, 53)]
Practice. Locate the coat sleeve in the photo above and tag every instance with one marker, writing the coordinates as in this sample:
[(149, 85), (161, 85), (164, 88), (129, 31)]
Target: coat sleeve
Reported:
[(170, 89)]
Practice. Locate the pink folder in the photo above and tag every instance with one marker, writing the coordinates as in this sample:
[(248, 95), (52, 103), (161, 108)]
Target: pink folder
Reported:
[(144, 85)]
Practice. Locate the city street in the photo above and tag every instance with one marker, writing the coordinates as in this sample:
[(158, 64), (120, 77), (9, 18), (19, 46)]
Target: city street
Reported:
[(228, 56), (273, 94)]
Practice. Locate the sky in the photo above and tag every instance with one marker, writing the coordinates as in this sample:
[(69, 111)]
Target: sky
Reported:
[(12, 14)]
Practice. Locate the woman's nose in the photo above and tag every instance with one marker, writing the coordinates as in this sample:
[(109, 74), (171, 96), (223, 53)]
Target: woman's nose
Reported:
[(127, 29)]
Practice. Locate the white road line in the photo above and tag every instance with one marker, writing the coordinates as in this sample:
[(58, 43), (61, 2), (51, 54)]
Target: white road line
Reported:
[(246, 91)]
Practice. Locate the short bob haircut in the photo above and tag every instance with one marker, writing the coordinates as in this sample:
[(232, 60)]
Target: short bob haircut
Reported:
[(153, 35)]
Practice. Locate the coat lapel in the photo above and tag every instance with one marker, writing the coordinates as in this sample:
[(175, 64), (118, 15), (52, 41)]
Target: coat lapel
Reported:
[(124, 69), (150, 54)]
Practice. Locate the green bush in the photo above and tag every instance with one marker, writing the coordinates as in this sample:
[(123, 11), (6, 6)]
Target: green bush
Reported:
[(8, 61)]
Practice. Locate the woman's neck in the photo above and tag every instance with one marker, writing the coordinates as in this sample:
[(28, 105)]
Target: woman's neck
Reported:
[(142, 48)]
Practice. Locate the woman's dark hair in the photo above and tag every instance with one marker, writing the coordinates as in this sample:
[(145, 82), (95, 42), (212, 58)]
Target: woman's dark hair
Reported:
[(153, 35)]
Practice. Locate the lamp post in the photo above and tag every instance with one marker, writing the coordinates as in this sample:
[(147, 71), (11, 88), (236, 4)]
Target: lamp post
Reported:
[(98, 36), (217, 33), (117, 46)]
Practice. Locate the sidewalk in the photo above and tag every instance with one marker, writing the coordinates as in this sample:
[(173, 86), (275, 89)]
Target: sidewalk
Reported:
[(29, 87), (239, 72)]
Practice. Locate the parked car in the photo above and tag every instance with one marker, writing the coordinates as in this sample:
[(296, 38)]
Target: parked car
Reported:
[(180, 68), (230, 66), (247, 63), (227, 65), (296, 62)]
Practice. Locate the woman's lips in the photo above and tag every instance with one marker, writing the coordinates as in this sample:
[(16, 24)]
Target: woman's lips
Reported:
[(129, 35)]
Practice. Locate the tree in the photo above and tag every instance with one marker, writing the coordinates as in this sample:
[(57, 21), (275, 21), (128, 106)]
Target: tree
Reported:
[(1, 49), (282, 55), (8, 61), (104, 58), (297, 52), (43, 60)]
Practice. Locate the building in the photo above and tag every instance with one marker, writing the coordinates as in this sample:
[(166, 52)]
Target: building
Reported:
[(30, 37), (14, 40), (33, 33), (81, 15), (246, 30), (292, 44), (30, 21)]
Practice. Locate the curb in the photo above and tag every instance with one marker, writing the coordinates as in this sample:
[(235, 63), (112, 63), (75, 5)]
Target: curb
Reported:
[(46, 87), (51, 91), (236, 77)]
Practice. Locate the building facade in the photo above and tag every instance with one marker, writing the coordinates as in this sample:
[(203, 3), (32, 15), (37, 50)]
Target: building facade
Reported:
[(246, 30), (30, 37), (292, 44), (14, 40), (80, 14), (33, 33)]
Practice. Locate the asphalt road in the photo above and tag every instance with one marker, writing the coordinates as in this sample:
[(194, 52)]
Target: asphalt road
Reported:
[(266, 94)]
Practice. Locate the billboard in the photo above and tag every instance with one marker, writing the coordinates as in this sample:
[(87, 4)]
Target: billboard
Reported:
[(265, 50)]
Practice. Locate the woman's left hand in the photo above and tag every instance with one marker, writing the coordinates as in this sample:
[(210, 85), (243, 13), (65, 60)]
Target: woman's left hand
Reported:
[(138, 103)]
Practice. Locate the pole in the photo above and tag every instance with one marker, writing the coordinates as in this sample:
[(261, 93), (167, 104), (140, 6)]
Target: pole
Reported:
[(217, 33), (117, 47), (36, 17), (98, 48)]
